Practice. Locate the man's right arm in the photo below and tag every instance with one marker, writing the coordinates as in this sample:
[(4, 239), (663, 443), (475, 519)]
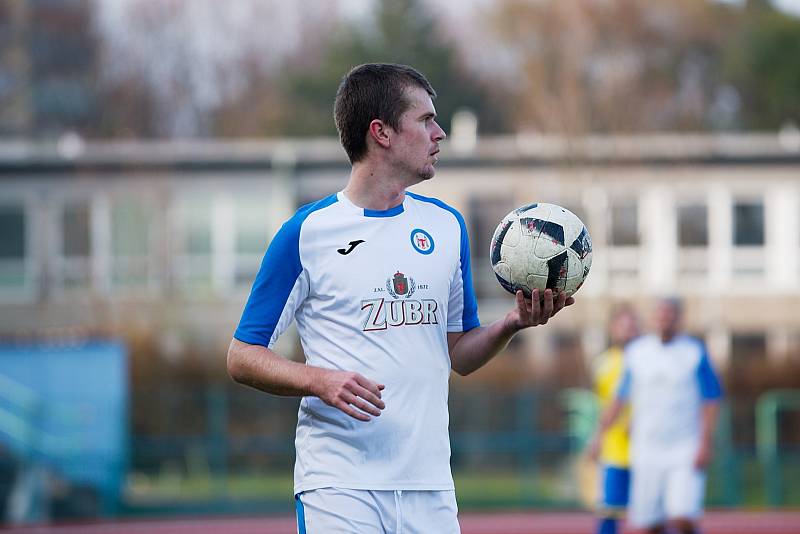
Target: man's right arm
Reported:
[(263, 369), (608, 418), (611, 414)]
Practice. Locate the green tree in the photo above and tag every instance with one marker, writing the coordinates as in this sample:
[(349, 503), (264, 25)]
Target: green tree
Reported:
[(403, 32), (763, 63)]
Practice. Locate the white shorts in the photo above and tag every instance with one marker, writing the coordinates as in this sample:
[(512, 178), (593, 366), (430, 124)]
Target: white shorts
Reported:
[(348, 511), (663, 492)]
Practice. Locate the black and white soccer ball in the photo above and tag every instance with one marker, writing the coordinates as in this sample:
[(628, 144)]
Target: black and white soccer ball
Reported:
[(541, 246)]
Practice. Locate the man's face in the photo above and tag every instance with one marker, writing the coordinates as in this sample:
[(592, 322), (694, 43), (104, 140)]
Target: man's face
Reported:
[(416, 145), (667, 318), (624, 327)]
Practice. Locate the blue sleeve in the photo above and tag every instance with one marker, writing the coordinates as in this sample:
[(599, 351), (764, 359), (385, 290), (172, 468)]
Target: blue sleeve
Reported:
[(276, 278), (469, 318), (710, 388), (624, 386), (272, 286)]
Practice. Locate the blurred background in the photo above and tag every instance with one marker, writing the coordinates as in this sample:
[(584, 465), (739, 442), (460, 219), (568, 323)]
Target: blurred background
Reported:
[(150, 149)]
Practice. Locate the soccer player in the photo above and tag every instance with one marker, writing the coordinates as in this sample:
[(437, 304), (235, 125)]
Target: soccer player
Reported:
[(378, 281), (613, 452), (674, 395)]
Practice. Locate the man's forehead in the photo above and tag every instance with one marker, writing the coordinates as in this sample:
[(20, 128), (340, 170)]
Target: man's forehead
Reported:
[(419, 100)]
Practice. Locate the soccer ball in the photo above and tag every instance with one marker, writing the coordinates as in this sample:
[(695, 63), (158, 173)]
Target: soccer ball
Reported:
[(541, 246)]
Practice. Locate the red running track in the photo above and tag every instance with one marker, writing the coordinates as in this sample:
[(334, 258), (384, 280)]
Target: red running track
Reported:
[(715, 522)]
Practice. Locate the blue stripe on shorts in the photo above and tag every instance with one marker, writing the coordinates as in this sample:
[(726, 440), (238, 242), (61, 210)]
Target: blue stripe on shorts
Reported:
[(301, 515)]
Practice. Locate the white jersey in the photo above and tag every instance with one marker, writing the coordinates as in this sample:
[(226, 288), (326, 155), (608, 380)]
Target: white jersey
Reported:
[(667, 384), (373, 292)]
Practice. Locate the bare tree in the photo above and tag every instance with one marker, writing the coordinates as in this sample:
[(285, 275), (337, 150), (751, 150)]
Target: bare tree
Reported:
[(611, 65), (194, 58)]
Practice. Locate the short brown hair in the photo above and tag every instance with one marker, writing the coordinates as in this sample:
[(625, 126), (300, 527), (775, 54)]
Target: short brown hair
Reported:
[(373, 91)]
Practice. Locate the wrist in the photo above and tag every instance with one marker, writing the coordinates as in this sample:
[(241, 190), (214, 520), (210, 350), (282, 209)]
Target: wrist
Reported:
[(509, 327), (313, 381)]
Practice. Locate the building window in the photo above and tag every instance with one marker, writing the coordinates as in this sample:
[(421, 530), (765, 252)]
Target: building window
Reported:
[(75, 261), (624, 224), (746, 375), (692, 220), (748, 224), (485, 213), (193, 242), (198, 232), (252, 238), (693, 225), (13, 247), (130, 244), (748, 347)]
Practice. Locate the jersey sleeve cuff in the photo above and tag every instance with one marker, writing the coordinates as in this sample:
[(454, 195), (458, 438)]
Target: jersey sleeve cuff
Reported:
[(251, 339), (465, 326)]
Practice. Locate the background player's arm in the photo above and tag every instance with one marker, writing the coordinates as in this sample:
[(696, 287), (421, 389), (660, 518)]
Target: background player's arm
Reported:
[(711, 393), (261, 368), (708, 424), (611, 414), (471, 350), (607, 419)]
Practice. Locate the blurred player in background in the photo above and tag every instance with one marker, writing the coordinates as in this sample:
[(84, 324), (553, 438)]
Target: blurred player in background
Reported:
[(607, 372), (674, 395), (379, 283)]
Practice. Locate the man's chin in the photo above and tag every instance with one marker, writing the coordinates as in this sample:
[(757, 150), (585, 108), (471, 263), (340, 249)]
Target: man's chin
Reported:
[(427, 173)]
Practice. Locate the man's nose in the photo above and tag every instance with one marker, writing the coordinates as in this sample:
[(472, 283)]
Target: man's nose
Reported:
[(438, 134)]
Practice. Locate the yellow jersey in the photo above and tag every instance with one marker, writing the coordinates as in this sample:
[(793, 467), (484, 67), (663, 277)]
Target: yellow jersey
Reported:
[(608, 369)]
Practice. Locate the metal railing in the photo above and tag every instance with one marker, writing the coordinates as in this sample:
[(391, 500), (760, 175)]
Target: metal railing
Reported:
[(768, 409), (528, 439)]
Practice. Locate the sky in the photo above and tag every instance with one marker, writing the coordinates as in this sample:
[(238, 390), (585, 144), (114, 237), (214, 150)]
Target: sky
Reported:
[(791, 6)]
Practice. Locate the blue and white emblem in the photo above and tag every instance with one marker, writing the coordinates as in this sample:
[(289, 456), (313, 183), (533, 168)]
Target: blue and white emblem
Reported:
[(421, 241)]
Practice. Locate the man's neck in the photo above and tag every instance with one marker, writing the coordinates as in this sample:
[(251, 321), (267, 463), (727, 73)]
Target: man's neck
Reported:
[(373, 187), (666, 337)]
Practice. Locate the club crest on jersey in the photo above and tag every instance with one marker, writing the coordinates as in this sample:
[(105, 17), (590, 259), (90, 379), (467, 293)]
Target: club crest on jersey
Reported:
[(421, 241), (398, 286)]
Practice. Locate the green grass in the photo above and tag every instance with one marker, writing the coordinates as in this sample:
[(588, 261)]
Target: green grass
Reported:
[(142, 488), (475, 490), (551, 488)]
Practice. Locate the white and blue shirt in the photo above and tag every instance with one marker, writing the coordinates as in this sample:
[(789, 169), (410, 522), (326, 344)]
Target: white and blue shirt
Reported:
[(667, 384), (374, 292)]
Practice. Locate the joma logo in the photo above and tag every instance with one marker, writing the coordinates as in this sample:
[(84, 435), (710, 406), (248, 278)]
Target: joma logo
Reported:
[(382, 314)]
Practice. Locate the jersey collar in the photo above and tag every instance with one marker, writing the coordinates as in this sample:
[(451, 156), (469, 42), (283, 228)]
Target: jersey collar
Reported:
[(391, 212)]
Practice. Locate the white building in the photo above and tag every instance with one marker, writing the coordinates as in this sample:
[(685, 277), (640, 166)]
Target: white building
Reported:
[(165, 238)]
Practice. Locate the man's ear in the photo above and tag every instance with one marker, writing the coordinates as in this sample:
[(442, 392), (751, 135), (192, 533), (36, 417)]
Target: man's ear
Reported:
[(380, 133)]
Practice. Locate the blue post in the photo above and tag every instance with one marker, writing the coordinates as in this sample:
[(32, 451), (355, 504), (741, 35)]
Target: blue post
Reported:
[(767, 409)]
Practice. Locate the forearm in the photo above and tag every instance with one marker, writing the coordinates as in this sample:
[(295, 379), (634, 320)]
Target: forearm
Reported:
[(607, 419), (475, 348), (263, 369), (610, 416), (709, 421)]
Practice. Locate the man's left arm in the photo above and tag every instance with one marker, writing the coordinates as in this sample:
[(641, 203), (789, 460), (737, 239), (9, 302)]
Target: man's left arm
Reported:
[(711, 394), (471, 350), (709, 423)]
